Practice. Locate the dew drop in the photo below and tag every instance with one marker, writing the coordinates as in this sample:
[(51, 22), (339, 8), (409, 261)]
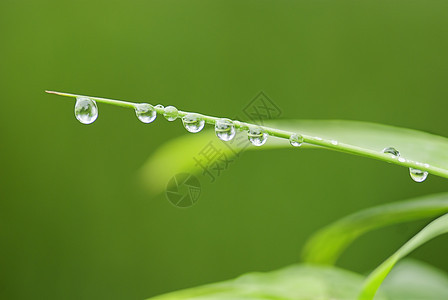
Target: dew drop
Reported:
[(86, 110), (418, 175), (296, 140), (401, 159), (193, 122), (170, 113), (333, 142), (159, 106), (238, 124), (257, 136), (224, 129), (145, 112), (391, 150)]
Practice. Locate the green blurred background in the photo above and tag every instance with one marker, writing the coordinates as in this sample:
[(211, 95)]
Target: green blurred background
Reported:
[(75, 220)]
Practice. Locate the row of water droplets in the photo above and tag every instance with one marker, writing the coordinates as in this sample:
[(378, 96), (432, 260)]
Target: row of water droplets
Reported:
[(416, 174), (86, 111)]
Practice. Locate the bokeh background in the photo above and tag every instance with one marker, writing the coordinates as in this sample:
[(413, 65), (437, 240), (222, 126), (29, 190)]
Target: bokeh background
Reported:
[(75, 220)]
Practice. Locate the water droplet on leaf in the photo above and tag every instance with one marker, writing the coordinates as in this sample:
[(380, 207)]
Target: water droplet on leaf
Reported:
[(145, 112), (333, 142), (86, 110), (391, 150), (296, 140), (159, 106), (418, 175), (193, 123), (225, 129), (170, 113), (257, 136)]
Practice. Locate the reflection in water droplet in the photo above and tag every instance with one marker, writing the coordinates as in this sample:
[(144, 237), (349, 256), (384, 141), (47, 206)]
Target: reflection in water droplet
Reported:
[(145, 112), (257, 136), (225, 129), (170, 113), (391, 150), (193, 122), (418, 175), (296, 140), (86, 110)]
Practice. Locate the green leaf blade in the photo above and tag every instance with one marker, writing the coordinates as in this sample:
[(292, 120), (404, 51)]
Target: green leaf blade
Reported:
[(374, 280), (327, 244), (294, 282), (420, 150)]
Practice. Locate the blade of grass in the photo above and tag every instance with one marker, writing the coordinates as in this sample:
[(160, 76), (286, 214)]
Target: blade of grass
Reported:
[(422, 151), (177, 155), (326, 245), (374, 280)]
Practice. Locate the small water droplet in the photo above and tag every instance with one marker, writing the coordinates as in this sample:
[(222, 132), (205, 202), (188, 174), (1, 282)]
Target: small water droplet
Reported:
[(86, 110), (225, 129), (170, 113), (418, 175), (401, 159), (391, 150), (333, 142), (193, 122), (237, 124), (145, 112), (257, 136), (159, 106), (318, 138), (296, 140)]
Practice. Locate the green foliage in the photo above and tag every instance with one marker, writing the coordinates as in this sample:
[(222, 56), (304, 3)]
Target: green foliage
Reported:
[(373, 282), (325, 246), (418, 150), (293, 282), (314, 281), (370, 139), (328, 243), (410, 280)]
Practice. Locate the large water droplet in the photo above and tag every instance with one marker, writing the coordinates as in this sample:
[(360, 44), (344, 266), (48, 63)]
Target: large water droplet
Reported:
[(257, 136), (296, 140), (391, 150), (145, 112), (86, 110), (418, 175), (225, 129), (170, 113), (193, 122)]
